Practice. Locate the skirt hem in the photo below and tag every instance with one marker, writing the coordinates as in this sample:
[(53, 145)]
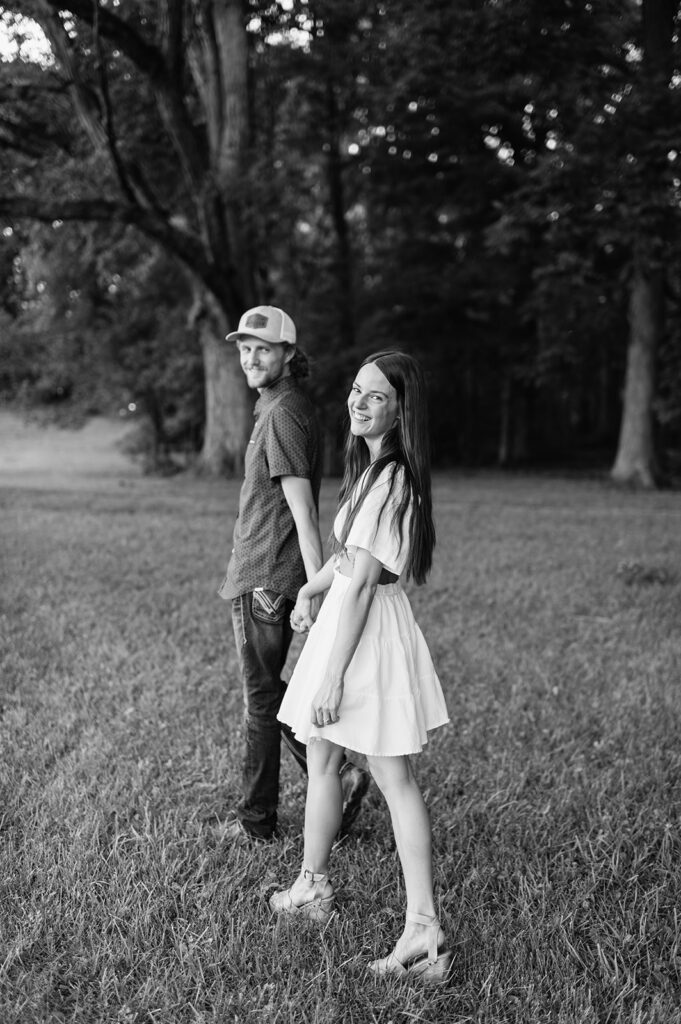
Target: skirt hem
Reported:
[(372, 753)]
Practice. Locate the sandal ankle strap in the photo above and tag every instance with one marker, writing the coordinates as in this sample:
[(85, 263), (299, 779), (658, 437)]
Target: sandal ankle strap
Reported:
[(433, 924), (424, 919), (312, 876)]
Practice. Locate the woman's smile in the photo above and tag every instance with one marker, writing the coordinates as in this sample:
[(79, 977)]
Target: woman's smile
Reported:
[(372, 404)]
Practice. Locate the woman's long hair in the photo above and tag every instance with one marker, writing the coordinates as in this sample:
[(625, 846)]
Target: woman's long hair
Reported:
[(406, 446)]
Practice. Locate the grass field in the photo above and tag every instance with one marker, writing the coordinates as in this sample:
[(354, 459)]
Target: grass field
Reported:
[(554, 616)]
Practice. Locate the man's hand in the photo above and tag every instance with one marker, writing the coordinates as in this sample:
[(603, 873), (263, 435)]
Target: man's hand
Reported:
[(305, 613), (300, 623)]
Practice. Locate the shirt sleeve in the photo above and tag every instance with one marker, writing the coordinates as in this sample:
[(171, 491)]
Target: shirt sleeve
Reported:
[(374, 530), (287, 445)]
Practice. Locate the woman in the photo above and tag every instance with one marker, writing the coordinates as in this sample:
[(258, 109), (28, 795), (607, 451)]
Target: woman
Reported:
[(365, 679)]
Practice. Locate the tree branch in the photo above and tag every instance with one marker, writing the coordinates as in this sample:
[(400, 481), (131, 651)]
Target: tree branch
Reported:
[(133, 183), (145, 56), (126, 187), (173, 238), (171, 23), (203, 63), (84, 100), (151, 62)]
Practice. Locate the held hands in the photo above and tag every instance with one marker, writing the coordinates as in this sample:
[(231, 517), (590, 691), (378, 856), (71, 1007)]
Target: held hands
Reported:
[(304, 613), (326, 702), (300, 621)]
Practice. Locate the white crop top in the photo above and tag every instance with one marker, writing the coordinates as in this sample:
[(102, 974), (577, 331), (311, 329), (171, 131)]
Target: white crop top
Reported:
[(374, 531)]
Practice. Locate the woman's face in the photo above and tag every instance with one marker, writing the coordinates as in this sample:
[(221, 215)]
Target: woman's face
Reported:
[(372, 404)]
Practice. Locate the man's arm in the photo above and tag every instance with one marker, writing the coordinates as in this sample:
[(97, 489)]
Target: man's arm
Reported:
[(298, 493)]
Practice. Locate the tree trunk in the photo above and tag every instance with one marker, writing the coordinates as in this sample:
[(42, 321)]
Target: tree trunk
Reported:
[(228, 412), (514, 447), (229, 405), (635, 461), (212, 245), (504, 451)]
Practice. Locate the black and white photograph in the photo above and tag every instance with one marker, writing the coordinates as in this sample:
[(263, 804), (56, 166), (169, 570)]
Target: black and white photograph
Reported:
[(340, 511)]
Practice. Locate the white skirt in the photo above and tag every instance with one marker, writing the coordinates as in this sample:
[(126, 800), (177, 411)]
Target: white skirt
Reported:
[(392, 696)]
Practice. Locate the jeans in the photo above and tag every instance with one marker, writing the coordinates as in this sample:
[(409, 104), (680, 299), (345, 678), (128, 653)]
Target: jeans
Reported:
[(263, 634)]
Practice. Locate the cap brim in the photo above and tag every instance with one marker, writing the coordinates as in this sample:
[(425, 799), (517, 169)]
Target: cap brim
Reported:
[(240, 335)]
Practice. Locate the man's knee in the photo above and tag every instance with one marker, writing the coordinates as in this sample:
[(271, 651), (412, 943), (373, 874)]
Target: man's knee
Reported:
[(261, 709)]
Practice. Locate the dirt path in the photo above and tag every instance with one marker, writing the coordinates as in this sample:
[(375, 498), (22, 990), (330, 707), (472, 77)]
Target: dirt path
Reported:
[(35, 456)]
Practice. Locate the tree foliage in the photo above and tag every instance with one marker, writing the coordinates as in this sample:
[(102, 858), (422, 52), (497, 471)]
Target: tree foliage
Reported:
[(473, 182), (138, 118)]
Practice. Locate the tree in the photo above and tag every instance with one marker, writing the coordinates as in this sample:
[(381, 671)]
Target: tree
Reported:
[(468, 181), (488, 114), (102, 328), (636, 461), (588, 233), (158, 141)]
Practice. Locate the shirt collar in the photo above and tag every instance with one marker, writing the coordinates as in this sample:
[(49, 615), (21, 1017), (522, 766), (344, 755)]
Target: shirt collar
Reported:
[(273, 391)]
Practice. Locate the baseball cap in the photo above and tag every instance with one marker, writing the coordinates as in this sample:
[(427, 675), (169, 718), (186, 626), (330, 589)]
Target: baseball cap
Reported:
[(269, 323)]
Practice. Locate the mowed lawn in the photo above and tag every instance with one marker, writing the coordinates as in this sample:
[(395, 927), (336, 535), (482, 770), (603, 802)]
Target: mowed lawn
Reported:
[(554, 615)]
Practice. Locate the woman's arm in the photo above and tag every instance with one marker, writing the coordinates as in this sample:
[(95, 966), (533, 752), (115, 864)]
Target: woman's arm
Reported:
[(307, 603), (351, 623), (319, 582)]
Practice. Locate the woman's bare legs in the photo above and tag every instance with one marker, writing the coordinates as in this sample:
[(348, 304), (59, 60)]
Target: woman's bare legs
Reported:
[(411, 826), (323, 813)]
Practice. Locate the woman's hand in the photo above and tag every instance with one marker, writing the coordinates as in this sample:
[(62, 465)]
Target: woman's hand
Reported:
[(326, 702), (301, 616), (305, 612)]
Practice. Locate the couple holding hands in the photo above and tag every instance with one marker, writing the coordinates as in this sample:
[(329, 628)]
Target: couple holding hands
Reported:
[(364, 680)]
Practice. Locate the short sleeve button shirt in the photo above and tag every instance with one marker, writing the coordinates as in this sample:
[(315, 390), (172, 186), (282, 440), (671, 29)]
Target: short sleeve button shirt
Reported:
[(285, 442)]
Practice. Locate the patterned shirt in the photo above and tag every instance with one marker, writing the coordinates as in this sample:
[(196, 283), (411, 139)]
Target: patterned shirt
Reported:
[(285, 442)]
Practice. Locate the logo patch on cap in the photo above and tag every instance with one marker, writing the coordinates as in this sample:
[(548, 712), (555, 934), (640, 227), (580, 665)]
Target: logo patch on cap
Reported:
[(257, 321)]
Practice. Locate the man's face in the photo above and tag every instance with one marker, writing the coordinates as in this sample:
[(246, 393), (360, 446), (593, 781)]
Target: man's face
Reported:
[(264, 364)]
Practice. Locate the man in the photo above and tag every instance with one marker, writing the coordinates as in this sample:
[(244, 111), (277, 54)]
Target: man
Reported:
[(277, 548)]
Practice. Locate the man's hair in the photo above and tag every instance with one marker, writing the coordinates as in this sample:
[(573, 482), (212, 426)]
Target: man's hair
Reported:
[(299, 366)]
